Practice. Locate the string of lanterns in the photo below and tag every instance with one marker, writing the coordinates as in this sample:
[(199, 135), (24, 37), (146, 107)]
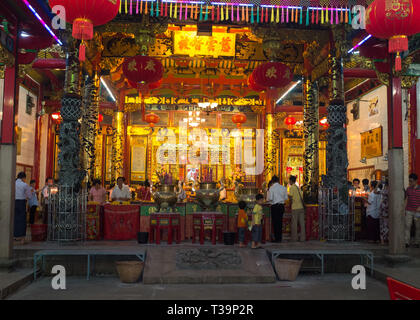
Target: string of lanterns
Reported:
[(216, 11)]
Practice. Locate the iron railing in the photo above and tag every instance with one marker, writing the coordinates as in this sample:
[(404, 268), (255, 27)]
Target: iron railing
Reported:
[(336, 217), (66, 214)]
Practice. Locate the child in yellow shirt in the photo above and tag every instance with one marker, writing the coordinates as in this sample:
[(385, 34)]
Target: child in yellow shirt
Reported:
[(257, 216), (242, 223)]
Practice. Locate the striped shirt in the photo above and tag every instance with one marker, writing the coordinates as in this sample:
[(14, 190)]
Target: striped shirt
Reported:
[(413, 198)]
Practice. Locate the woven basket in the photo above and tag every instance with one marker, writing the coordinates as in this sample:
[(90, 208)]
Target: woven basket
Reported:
[(287, 269), (129, 271)]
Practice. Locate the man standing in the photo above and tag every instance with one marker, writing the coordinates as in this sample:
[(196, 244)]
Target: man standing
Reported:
[(298, 210), (45, 193), (22, 193), (412, 209), (121, 192), (277, 197)]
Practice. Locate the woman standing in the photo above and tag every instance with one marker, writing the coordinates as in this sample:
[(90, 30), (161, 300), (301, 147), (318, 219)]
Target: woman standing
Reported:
[(383, 215), (372, 213), (97, 193), (22, 193)]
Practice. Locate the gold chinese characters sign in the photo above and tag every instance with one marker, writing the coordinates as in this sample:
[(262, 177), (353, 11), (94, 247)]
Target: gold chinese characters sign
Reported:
[(219, 44), (371, 143), (188, 101)]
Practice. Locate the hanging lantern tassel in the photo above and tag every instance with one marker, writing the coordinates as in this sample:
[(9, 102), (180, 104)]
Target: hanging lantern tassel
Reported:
[(398, 62), (398, 44), (82, 52)]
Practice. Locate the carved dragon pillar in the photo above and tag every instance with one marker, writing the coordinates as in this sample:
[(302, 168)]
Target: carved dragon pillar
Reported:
[(337, 162), (117, 154), (70, 173), (90, 122), (311, 134)]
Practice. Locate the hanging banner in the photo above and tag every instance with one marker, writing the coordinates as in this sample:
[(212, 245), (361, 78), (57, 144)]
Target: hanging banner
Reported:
[(219, 44)]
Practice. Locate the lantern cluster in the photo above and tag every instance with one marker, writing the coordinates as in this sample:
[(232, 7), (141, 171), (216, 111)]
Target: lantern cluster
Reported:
[(84, 15), (394, 20), (290, 122)]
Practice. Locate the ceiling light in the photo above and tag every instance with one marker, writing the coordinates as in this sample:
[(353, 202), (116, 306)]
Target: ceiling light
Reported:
[(287, 92), (107, 89)]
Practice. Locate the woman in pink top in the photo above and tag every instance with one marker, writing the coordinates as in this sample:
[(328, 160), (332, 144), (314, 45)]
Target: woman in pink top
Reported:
[(97, 192)]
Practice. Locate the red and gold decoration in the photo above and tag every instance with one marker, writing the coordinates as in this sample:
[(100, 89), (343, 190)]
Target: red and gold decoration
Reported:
[(100, 118), (84, 15), (152, 119), (394, 20), (239, 119), (290, 122)]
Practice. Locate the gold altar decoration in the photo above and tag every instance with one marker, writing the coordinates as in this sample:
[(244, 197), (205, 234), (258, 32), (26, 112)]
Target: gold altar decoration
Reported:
[(406, 81), (219, 44), (117, 153), (371, 143), (257, 108)]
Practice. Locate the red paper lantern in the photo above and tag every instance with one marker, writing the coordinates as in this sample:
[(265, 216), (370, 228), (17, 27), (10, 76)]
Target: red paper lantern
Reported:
[(100, 118), (290, 122), (374, 49), (253, 85), (152, 119), (394, 20), (324, 123), (143, 71), (239, 119), (85, 14), (272, 75)]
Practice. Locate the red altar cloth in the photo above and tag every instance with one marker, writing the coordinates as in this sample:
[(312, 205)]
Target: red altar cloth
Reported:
[(121, 222), (312, 222)]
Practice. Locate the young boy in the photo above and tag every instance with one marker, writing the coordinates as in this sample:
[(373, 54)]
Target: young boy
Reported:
[(242, 223), (257, 214)]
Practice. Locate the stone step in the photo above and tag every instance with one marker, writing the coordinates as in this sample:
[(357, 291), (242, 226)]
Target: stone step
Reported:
[(11, 282)]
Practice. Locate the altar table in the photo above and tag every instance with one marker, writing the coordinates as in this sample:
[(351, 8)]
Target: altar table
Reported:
[(214, 221), (161, 221)]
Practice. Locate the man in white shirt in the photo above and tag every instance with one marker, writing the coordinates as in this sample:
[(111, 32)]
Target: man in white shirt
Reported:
[(277, 196), (121, 192), (22, 193)]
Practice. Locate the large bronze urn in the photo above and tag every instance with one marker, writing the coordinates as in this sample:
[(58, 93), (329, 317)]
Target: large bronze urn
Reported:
[(248, 195), (208, 196), (165, 198)]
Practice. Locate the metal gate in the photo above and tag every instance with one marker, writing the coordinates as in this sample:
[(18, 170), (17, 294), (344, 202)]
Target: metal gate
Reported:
[(336, 219), (66, 214)]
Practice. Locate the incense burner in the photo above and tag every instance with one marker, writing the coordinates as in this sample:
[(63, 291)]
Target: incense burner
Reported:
[(248, 195), (208, 196), (165, 198)]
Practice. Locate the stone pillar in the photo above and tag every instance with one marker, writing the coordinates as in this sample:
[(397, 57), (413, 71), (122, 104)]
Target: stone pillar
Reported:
[(90, 123), (70, 173), (8, 166), (311, 133), (117, 146), (395, 168), (336, 134)]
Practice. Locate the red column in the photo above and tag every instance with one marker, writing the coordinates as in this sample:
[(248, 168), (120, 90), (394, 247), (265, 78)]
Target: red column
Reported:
[(9, 99), (49, 172), (395, 136), (37, 152), (414, 142)]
